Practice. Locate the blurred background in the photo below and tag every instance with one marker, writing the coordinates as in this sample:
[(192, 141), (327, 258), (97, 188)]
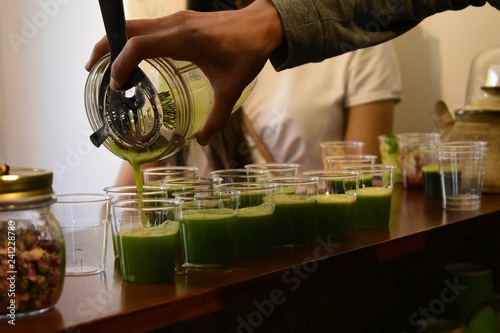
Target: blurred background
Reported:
[(45, 45)]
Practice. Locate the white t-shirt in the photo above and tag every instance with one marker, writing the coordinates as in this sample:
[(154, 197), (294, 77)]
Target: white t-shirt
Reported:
[(296, 109)]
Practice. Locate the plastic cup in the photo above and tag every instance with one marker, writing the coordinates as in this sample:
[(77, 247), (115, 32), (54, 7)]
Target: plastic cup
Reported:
[(336, 162), (155, 175), (207, 227), (430, 173), (190, 184), (410, 154), (461, 168), (333, 148), (253, 227), (295, 211), (374, 196), (389, 154), (126, 192), (146, 232), (276, 169), (84, 221), (240, 175), (336, 206)]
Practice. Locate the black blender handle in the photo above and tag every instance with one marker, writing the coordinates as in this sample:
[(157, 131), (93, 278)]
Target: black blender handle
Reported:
[(113, 16)]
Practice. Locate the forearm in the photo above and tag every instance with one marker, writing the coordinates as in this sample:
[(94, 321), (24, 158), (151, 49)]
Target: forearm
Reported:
[(366, 122), (319, 29)]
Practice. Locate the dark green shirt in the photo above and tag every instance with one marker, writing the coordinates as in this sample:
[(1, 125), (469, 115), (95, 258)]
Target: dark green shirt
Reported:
[(319, 29)]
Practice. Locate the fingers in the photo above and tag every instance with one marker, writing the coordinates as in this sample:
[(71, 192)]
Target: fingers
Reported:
[(100, 49), (224, 101)]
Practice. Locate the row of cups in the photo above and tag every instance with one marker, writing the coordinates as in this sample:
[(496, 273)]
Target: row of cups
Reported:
[(211, 220), (245, 212), (449, 171)]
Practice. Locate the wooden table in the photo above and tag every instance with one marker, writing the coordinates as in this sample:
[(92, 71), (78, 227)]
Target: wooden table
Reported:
[(103, 303)]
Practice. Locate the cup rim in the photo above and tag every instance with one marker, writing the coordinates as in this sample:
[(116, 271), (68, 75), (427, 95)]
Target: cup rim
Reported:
[(351, 157), (369, 168), (195, 180), (239, 172), (192, 195), (330, 174), (120, 204), (114, 189), (292, 180), (251, 185), (160, 170), (341, 143), (272, 166), (80, 198)]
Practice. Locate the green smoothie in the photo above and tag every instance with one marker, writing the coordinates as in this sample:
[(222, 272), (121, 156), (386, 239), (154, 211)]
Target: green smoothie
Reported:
[(250, 199), (339, 186), (294, 220), (148, 254), (432, 182), (335, 215), (373, 208), (207, 237), (252, 232)]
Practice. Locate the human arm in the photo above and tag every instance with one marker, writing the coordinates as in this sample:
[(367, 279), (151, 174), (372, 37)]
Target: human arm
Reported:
[(319, 29), (367, 121)]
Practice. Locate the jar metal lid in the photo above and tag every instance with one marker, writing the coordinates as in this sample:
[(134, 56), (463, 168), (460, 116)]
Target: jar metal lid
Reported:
[(25, 183)]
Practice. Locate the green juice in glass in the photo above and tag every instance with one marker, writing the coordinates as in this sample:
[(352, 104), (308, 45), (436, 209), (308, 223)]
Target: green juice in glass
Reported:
[(207, 237), (250, 199), (294, 220), (252, 231), (373, 207), (432, 182), (335, 215), (172, 189), (340, 186), (148, 254)]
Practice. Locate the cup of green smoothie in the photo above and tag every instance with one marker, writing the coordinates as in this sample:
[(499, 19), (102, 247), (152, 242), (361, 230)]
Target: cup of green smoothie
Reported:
[(430, 172), (253, 227), (146, 231), (276, 169), (294, 216), (125, 192), (184, 184), (240, 175), (374, 196), (154, 175), (207, 225), (336, 206)]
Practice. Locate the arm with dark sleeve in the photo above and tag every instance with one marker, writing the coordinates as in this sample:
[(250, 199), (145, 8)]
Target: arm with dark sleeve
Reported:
[(319, 29)]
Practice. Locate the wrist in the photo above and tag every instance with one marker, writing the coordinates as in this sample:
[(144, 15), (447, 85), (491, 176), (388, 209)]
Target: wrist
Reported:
[(266, 20)]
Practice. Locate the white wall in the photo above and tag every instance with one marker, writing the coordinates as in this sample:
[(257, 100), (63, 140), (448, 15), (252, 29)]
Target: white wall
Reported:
[(44, 47), (45, 44), (435, 58)]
